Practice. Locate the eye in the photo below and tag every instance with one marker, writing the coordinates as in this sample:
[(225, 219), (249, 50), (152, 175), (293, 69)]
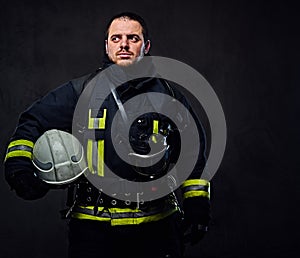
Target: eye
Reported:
[(115, 39), (134, 38)]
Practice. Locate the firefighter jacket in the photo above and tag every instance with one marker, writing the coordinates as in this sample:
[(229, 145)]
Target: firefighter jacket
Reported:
[(56, 111)]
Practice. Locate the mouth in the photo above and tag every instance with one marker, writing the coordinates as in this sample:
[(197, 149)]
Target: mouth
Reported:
[(124, 55)]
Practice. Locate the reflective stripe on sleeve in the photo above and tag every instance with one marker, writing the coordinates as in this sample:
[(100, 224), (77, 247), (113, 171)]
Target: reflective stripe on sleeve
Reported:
[(20, 148), (195, 182), (195, 193), (195, 187)]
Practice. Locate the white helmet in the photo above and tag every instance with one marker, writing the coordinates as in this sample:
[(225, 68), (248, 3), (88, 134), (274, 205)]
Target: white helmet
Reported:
[(59, 157)]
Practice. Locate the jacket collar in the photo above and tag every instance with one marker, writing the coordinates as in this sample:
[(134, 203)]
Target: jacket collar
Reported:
[(135, 76)]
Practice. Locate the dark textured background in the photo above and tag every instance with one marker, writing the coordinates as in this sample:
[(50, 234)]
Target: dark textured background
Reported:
[(249, 53)]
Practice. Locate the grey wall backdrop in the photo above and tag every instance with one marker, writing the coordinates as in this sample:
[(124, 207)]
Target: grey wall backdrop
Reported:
[(247, 50)]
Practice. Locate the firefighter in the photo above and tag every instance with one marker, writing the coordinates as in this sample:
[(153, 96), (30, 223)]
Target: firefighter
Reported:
[(103, 224)]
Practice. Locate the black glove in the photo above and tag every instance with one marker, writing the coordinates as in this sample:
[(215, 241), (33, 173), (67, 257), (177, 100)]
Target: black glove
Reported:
[(21, 178), (196, 218), (194, 233)]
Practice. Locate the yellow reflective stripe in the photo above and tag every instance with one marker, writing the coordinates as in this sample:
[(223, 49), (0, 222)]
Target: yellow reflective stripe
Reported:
[(195, 193), (122, 210), (19, 148), (102, 120), (97, 123), (125, 221), (190, 187), (100, 162), (90, 155), (18, 153), (100, 156), (155, 126), (133, 221), (91, 120), (190, 182), (78, 215), (21, 142), (153, 139)]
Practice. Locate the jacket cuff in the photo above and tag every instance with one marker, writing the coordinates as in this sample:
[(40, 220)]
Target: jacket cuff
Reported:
[(19, 148), (195, 188)]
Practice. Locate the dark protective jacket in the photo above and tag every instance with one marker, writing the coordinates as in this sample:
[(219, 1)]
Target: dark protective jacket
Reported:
[(56, 111)]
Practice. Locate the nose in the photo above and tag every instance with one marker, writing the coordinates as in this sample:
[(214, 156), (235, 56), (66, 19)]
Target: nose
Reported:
[(124, 42)]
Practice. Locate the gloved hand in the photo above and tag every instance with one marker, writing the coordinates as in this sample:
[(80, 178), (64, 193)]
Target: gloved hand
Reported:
[(196, 218), (194, 233), (21, 178)]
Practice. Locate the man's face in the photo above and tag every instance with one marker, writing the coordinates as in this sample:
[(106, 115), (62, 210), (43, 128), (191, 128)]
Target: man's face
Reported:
[(125, 42)]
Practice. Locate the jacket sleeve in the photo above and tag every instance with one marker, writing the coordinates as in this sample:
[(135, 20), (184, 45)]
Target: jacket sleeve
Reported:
[(195, 189), (54, 110)]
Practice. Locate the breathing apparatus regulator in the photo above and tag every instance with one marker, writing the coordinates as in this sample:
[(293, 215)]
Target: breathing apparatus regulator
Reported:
[(151, 148)]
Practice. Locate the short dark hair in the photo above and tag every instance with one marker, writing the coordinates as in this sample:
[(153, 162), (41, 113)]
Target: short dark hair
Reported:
[(130, 16)]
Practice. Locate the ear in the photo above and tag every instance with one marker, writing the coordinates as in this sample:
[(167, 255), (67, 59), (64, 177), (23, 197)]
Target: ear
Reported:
[(106, 47), (147, 46)]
